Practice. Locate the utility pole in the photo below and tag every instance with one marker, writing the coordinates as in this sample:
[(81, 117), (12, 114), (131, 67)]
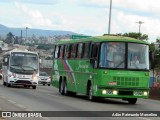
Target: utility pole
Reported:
[(110, 11), (140, 22), (26, 35)]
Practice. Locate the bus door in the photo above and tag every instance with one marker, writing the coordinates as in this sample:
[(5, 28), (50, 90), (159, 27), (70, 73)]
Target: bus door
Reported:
[(94, 60)]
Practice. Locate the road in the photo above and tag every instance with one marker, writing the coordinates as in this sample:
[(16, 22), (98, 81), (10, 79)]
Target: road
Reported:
[(47, 98)]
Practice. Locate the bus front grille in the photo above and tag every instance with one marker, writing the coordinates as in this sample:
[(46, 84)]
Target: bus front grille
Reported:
[(126, 81)]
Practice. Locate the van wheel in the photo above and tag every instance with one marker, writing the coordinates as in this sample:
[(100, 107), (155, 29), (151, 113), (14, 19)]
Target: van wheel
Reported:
[(43, 84), (4, 83), (49, 84), (8, 85), (34, 87)]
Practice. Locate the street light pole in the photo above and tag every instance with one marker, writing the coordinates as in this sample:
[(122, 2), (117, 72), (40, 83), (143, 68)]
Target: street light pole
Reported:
[(26, 35), (140, 22), (110, 11)]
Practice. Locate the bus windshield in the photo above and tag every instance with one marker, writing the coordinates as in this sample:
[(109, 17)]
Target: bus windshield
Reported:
[(114, 54), (23, 62)]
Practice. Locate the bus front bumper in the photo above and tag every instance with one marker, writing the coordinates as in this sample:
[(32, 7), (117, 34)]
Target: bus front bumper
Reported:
[(122, 92), (24, 82)]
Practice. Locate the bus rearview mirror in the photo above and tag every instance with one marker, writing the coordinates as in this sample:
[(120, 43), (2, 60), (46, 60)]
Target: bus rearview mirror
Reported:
[(40, 61), (5, 60)]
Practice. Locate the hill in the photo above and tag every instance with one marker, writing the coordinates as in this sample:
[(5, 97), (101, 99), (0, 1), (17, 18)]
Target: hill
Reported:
[(38, 32)]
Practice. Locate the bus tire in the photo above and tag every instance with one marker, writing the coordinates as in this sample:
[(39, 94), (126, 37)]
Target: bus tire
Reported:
[(132, 100), (61, 87), (89, 93)]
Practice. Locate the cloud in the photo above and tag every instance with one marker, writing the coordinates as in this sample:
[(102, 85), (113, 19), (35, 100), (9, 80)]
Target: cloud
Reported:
[(42, 2), (122, 22), (33, 16), (141, 7)]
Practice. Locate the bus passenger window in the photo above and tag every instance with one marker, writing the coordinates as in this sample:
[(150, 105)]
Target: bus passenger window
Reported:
[(86, 50), (80, 49), (73, 50), (61, 52), (67, 51), (56, 52)]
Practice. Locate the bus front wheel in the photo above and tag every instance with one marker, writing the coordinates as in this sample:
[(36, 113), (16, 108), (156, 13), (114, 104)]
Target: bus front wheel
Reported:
[(89, 93)]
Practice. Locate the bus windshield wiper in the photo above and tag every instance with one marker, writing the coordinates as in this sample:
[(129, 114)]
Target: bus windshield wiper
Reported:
[(19, 66), (29, 67)]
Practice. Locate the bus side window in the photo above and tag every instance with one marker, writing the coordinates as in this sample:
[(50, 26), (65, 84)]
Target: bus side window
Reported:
[(67, 51), (86, 50), (80, 50), (94, 55), (61, 52), (56, 52), (59, 48), (73, 50)]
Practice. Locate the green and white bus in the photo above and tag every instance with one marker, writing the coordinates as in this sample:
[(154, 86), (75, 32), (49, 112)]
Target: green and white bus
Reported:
[(104, 66)]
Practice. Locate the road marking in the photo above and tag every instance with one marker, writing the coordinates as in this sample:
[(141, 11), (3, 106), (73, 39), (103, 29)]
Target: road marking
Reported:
[(55, 96), (3, 97), (11, 101), (21, 106), (143, 118)]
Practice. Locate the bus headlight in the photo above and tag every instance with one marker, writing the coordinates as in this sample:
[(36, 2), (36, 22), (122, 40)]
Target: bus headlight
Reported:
[(145, 93), (34, 77), (115, 92), (104, 91)]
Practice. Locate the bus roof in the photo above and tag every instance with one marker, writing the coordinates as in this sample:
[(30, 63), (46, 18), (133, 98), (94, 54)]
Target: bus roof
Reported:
[(105, 38), (19, 50)]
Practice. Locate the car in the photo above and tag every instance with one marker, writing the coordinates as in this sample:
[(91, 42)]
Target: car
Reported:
[(44, 79), (1, 75)]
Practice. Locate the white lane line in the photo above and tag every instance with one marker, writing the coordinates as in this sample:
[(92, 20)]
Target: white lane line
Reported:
[(143, 118), (55, 96), (20, 106), (11, 101), (3, 97)]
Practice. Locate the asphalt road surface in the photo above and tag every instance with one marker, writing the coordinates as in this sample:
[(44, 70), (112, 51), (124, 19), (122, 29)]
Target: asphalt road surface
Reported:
[(47, 98)]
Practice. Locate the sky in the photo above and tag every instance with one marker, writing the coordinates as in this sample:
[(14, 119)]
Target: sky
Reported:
[(89, 17)]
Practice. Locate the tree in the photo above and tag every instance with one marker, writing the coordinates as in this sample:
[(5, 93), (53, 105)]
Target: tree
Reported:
[(16, 40), (9, 38), (135, 35)]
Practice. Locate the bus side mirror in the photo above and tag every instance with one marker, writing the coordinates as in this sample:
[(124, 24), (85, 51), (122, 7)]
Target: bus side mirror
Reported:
[(5, 61), (40, 60)]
